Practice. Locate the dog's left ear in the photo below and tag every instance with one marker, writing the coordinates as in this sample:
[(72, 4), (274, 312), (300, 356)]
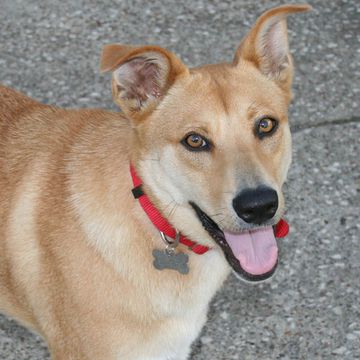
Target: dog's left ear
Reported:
[(266, 45), (142, 76)]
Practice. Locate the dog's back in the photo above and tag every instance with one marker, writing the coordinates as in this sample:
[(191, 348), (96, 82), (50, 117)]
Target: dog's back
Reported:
[(22, 121), (12, 106), (16, 112), (37, 142)]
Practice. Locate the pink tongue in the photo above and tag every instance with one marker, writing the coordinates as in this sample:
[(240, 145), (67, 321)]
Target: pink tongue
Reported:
[(255, 249)]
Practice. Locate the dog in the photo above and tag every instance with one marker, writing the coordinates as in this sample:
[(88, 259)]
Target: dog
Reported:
[(117, 229)]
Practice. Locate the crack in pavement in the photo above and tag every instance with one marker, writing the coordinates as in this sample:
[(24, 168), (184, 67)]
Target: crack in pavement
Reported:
[(351, 120)]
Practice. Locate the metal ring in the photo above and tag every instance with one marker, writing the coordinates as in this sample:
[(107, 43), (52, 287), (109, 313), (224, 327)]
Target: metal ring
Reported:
[(174, 243)]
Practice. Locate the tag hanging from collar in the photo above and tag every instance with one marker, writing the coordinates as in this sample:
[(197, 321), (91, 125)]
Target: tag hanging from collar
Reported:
[(168, 258)]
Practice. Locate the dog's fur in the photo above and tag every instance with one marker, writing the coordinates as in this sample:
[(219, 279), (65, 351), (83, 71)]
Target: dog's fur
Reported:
[(76, 247)]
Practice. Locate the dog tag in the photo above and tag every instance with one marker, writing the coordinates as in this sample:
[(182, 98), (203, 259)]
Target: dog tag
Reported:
[(164, 259)]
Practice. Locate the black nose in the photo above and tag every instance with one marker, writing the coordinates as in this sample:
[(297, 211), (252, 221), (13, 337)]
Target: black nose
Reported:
[(256, 205)]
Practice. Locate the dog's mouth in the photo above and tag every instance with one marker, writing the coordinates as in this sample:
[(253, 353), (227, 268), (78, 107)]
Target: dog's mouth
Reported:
[(253, 254)]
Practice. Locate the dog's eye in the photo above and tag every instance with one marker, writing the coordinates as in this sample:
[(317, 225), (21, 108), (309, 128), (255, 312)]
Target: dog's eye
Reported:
[(266, 126), (195, 142)]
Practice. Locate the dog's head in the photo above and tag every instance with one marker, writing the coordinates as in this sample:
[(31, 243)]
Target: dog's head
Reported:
[(213, 143)]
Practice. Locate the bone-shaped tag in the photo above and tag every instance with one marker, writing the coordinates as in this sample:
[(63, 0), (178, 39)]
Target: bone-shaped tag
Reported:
[(165, 260)]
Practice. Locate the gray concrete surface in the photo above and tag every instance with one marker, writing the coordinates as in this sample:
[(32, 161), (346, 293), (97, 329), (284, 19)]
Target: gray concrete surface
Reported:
[(311, 309)]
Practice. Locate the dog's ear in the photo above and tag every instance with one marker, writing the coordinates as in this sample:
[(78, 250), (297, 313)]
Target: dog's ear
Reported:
[(141, 76), (266, 45)]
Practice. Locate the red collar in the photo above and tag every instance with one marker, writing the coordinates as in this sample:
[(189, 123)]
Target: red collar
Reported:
[(158, 220), (281, 228)]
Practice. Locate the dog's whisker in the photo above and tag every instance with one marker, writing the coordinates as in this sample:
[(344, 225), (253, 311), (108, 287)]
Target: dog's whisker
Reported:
[(151, 159), (167, 206), (221, 209), (220, 221), (217, 214), (172, 211)]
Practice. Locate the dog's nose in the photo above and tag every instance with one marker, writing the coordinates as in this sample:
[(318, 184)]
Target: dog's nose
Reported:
[(256, 205)]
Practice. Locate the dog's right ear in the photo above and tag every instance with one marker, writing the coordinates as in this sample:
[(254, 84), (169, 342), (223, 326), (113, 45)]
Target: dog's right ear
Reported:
[(141, 76)]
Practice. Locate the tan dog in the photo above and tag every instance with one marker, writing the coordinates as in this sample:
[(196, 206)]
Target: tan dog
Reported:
[(212, 148)]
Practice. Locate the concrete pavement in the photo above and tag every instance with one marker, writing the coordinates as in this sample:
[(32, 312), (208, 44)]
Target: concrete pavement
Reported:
[(311, 309)]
